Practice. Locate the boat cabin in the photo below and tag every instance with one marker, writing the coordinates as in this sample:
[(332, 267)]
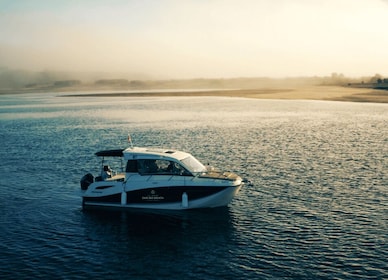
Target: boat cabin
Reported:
[(146, 161)]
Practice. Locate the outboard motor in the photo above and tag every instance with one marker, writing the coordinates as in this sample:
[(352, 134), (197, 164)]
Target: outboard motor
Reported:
[(86, 180)]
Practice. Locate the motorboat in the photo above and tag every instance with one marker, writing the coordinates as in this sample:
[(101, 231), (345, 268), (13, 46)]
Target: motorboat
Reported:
[(156, 178)]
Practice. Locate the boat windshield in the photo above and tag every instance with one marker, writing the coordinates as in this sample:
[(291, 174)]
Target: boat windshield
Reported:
[(193, 165)]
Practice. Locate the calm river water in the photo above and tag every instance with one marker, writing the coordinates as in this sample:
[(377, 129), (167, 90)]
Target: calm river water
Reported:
[(317, 207)]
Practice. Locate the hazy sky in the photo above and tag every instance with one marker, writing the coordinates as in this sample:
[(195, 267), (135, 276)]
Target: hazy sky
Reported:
[(197, 38)]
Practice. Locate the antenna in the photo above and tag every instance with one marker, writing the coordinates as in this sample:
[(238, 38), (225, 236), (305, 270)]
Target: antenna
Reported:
[(130, 140)]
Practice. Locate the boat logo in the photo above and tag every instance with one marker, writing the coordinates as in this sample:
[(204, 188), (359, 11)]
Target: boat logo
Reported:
[(152, 196)]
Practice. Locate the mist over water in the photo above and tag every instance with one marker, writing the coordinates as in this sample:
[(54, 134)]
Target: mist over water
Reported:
[(317, 207), (195, 39)]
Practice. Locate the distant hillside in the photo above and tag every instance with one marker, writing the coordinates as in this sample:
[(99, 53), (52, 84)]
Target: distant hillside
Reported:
[(12, 81)]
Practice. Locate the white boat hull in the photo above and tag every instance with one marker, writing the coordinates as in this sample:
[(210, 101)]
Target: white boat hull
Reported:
[(219, 199)]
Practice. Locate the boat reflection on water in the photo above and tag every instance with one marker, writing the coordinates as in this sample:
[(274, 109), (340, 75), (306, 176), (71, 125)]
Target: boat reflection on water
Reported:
[(144, 222)]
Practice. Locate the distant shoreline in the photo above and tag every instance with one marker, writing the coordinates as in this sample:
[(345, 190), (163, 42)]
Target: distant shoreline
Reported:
[(310, 92), (325, 93)]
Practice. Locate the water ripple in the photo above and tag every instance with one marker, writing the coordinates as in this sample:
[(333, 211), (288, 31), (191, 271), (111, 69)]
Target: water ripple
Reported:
[(316, 209)]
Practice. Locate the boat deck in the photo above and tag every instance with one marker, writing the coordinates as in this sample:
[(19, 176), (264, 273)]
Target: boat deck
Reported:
[(117, 177)]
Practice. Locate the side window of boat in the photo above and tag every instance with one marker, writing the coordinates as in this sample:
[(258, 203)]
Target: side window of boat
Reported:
[(154, 167), (163, 167), (131, 166), (160, 167), (147, 166), (166, 167), (175, 168)]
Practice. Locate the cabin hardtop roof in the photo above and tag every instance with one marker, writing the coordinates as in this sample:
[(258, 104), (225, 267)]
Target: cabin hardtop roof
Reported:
[(110, 153), (153, 153)]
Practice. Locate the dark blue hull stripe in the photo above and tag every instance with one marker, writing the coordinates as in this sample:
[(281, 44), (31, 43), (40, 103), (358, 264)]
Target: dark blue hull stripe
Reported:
[(158, 195)]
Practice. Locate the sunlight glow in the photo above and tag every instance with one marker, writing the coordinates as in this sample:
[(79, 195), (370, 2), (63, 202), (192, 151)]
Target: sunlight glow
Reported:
[(189, 39)]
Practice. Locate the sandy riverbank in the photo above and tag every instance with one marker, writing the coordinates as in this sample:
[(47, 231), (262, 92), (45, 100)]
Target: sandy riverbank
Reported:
[(333, 93)]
